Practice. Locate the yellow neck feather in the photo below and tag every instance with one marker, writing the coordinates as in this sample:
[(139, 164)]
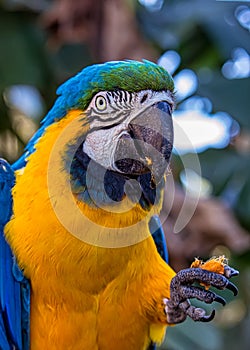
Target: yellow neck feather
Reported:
[(51, 227)]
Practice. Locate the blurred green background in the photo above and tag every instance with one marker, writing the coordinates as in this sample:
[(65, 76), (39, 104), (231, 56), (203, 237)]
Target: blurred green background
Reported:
[(42, 43)]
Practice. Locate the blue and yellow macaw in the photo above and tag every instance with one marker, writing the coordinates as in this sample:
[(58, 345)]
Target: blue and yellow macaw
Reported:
[(79, 267)]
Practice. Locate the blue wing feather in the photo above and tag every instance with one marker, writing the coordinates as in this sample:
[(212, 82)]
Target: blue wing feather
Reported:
[(157, 233), (4, 343), (13, 316)]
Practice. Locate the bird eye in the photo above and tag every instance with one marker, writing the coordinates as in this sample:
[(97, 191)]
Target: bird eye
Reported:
[(100, 103)]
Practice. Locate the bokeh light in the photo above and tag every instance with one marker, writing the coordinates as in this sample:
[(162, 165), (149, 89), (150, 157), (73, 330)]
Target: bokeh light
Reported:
[(152, 5), (170, 60), (186, 83), (242, 14), (202, 130), (197, 103), (239, 66), (26, 99), (192, 182)]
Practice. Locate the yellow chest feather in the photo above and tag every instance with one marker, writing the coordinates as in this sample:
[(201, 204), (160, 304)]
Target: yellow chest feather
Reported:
[(84, 296)]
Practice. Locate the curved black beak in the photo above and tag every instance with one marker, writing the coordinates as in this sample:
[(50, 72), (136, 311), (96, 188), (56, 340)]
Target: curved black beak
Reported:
[(147, 144)]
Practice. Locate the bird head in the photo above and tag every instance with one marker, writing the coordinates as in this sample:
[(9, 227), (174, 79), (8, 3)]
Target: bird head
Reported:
[(127, 107), (130, 131)]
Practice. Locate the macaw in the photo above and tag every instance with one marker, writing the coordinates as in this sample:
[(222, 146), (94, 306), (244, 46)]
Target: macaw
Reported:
[(79, 210)]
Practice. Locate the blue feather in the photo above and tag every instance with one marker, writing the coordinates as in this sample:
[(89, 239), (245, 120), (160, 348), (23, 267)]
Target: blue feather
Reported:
[(14, 312), (157, 232)]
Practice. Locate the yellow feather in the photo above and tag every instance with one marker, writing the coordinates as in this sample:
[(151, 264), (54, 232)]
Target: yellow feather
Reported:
[(84, 296)]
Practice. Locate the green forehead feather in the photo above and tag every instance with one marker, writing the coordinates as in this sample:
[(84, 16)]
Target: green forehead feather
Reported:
[(133, 76)]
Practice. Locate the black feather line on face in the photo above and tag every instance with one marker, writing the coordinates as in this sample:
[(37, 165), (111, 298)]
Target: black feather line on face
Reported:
[(110, 187)]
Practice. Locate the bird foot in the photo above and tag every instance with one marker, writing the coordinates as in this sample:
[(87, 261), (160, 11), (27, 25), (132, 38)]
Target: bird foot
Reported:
[(215, 272)]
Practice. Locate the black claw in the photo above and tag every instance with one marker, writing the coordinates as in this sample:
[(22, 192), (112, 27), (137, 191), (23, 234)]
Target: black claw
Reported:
[(220, 300), (234, 272), (208, 318), (232, 287)]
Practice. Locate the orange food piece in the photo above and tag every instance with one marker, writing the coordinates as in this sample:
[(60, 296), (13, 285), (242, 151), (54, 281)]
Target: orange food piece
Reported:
[(215, 264)]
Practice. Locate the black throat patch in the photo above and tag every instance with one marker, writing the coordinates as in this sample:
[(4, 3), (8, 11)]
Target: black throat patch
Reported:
[(98, 186)]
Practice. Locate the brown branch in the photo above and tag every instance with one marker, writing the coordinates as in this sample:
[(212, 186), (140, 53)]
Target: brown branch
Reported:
[(108, 27)]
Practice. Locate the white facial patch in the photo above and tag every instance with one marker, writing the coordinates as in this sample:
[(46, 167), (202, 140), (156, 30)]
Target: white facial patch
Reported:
[(100, 145), (110, 113)]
